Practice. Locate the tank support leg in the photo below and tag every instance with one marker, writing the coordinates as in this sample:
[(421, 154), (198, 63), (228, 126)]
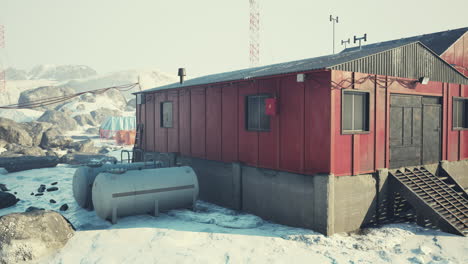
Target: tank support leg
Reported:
[(156, 208), (114, 214)]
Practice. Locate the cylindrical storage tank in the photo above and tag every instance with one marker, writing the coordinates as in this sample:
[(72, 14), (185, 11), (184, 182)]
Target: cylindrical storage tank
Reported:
[(84, 178), (144, 191)]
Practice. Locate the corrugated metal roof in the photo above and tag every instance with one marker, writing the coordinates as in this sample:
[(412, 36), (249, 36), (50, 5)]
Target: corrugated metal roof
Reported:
[(381, 65), (438, 42), (412, 60)]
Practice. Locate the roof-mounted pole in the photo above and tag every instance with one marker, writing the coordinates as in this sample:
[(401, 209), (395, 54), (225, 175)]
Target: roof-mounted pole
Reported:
[(334, 21)]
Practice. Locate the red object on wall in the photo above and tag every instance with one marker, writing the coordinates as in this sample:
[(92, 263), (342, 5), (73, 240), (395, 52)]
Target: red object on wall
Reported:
[(271, 106)]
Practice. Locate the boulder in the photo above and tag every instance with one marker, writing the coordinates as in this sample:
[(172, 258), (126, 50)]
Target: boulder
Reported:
[(79, 158), (86, 146), (62, 120), (93, 131), (3, 188), (53, 138), (44, 92), (18, 150), (85, 119), (13, 132), (3, 143), (33, 208), (88, 98), (131, 105), (101, 114), (3, 171), (32, 235), (36, 129), (7, 199), (116, 97), (13, 164)]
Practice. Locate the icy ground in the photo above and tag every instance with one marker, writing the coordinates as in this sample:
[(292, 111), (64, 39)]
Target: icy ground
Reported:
[(213, 234)]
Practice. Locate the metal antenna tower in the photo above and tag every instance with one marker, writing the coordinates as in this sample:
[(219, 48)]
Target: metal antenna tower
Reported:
[(254, 52), (334, 21), (2, 71)]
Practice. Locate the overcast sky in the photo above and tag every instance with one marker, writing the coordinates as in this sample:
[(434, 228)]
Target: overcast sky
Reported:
[(204, 36)]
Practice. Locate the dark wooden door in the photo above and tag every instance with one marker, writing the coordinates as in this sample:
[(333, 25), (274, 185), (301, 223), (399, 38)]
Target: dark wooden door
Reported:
[(405, 130), (431, 133), (415, 130)]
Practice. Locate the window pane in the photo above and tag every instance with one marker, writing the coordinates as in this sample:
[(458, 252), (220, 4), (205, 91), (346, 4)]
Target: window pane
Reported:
[(347, 111), (253, 115), (360, 111), (457, 113), (264, 118), (166, 114)]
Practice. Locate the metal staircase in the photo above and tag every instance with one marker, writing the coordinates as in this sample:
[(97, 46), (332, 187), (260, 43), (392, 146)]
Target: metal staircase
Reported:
[(440, 199)]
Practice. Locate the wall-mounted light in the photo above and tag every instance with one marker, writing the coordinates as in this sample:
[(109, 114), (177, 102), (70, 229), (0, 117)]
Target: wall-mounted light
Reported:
[(300, 77), (423, 80)]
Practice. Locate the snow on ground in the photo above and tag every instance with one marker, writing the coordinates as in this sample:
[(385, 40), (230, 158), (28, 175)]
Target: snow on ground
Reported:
[(212, 234), (21, 115)]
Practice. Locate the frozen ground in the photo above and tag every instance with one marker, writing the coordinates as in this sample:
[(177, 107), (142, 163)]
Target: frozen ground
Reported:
[(213, 234)]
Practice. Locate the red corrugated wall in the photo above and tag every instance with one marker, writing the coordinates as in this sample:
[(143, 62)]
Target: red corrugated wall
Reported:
[(457, 54), (209, 123), (305, 137), (363, 153)]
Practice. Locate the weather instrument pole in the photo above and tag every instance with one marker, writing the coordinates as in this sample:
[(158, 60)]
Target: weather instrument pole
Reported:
[(360, 39), (334, 21), (344, 42)]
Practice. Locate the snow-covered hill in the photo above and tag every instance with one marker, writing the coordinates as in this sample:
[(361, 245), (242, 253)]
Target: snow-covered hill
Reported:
[(149, 78), (61, 72), (78, 77)]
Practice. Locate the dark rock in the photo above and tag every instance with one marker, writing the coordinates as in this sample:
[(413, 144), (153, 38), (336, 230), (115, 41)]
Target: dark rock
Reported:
[(32, 208), (131, 105), (32, 193), (52, 189), (53, 138), (41, 188), (13, 132), (86, 146), (27, 163), (101, 114), (43, 93), (3, 188), (62, 120), (78, 158), (36, 130), (15, 193), (85, 119), (104, 150), (7, 200), (15, 150), (39, 194), (64, 207), (54, 183), (93, 131), (52, 201), (20, 233)]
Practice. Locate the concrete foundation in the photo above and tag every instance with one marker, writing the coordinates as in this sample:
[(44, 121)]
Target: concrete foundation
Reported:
[(458, 170), (324, 203)]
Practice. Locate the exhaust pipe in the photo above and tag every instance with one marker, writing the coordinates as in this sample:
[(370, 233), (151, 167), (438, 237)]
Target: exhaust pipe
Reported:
[(181, 74)]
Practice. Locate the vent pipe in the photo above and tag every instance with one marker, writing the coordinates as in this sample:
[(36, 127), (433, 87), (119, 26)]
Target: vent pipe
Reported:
[(181, 75)]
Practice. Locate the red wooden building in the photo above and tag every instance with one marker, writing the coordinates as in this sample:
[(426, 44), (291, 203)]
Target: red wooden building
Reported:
[(386, 105)]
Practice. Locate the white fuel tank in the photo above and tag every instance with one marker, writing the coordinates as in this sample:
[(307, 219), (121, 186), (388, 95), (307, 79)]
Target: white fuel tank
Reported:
[(144, 191), (84, 176)]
